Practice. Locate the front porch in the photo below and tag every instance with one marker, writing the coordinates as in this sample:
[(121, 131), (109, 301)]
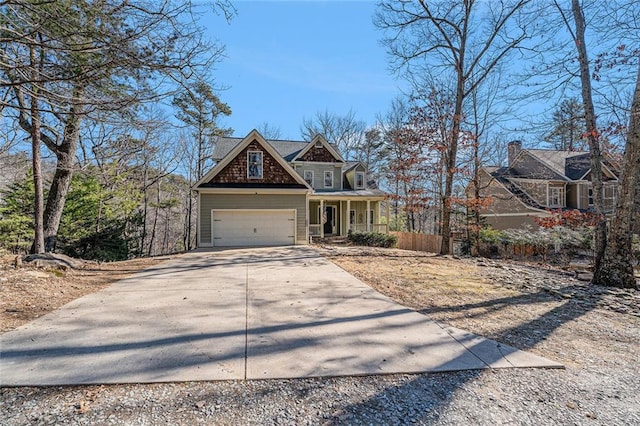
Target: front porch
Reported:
[(335, 216)]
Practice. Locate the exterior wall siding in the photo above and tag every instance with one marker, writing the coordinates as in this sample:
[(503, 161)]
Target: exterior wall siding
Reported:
[(530, 167), (360, 207), (511, 222), (209, 202), (318, 175), (351, 175), (572, 196), (537, 190), (503, 200), (236, 171), (321, 154)]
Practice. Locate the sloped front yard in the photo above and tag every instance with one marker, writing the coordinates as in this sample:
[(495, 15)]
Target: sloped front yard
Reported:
[(594, 331), (533, 307)]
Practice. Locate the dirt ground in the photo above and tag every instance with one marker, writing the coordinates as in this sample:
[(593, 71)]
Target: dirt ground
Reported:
[(594, 331), (27, 292), (529, 306)]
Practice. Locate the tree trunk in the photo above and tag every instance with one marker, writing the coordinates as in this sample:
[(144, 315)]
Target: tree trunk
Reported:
[(450, 164), (155, 223), (600, 233), (616, 269), (38, 240), (452, 149), (65, 154)]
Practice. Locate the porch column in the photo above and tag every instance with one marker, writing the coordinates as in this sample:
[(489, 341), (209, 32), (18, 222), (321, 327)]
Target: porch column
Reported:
[(367, 216), (348, 216), (388, 215), (320, 218)]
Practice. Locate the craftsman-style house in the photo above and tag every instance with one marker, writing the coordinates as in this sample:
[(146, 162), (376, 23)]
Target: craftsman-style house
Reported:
[(277, 192), (537, 181)]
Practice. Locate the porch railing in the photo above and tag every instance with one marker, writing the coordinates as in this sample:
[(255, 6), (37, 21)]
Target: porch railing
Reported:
[(314, 228)]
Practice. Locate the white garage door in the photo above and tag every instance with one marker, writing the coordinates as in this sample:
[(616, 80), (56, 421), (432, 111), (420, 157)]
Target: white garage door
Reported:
[(233, 228)]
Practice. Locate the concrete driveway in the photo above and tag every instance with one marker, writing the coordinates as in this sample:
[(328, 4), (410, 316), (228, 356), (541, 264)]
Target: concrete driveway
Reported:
[(240, 314)]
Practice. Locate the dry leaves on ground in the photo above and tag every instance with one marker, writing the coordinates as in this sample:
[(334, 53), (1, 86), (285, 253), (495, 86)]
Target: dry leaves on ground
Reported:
[(27, 292)]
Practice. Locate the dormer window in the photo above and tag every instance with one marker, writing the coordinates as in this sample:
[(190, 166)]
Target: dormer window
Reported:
[(359, 180), (254, 164)]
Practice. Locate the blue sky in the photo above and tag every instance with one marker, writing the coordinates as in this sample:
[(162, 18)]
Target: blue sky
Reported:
[(286, 60)]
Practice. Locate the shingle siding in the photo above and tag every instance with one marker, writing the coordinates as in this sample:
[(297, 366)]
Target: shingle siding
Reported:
[(236, 171)]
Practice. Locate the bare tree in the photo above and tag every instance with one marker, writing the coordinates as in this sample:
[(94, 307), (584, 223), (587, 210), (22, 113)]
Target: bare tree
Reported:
[(269, 131), (344, 131), (592, 134), (616, 267), (199, 108), (467, 40), (96, 55)]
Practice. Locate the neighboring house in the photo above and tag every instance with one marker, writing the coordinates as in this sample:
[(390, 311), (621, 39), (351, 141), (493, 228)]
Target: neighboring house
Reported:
[(283, 192), (537, 181)]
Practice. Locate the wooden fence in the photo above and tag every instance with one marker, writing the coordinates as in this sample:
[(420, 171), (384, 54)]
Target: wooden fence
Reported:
[(420, 242)]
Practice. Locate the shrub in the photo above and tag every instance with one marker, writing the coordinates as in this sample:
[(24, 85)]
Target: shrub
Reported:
[(372, 239)]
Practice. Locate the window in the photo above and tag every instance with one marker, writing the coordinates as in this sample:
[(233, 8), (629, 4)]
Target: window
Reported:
[(352, 217), (318, 144), (371, 217), (359, 180), (328, 179), (591, 196), (254, 165), (610, 195), (556, 197), (308, 177)]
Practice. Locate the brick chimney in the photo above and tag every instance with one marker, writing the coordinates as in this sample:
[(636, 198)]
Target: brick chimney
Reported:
[(513, 149)]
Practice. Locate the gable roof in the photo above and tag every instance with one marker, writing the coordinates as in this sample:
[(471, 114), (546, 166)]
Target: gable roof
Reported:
[(350, 165), (327, 146), (557, 160), (224, 145), (240, 145)]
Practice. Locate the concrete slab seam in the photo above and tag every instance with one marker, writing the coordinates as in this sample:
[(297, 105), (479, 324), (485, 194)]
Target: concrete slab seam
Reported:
[(465, 346)]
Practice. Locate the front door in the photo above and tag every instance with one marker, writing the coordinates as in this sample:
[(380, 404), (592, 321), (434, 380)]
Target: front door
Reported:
[(329, 219)]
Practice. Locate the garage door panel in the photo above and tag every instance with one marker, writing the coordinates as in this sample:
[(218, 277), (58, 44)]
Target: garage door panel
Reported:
[(253, 227)]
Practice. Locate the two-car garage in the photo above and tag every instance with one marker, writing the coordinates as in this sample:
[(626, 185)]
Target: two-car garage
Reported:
[(256, 227), (252, 219)]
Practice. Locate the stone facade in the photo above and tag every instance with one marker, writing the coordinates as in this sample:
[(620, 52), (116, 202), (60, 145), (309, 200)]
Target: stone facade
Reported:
[(272, 172)]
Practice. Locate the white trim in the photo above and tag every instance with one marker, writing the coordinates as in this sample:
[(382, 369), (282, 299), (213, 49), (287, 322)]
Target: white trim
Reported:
[(261, 165), (304, 174), (604, 166), (320, 196), (324, 180), (198, 228), (326, 144), (295, 219), (356, 180), (306, 226), (253, 135), (254, 190)]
